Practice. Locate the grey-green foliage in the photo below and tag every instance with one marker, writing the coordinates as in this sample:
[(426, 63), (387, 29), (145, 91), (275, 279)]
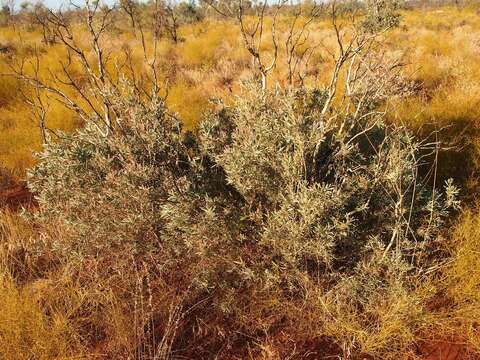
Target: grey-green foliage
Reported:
[(271, 171), (190, 12), (270, 191), (110, 190), (381, 15), (324, 186)]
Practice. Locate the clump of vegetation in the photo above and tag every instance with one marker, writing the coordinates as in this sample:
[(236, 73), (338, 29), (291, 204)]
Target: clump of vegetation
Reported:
[(463, 279), (27, 332), (275, 195), (381, 14)]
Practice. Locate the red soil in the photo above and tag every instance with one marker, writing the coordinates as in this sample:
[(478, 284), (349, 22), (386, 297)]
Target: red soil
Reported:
[(444, 350), (16, 196)]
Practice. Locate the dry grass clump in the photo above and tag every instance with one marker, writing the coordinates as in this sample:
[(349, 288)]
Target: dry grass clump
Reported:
[(463, 279), (54, 306), (206, 45), (190, 111), (32, 326), (27, 332)]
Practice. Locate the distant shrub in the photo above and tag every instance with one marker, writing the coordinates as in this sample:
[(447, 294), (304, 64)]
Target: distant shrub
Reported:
[(5, 15), (381, 14), (189, 12)]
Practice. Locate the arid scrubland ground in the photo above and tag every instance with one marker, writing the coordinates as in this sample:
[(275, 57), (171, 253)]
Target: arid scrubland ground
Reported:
[(285, 222)]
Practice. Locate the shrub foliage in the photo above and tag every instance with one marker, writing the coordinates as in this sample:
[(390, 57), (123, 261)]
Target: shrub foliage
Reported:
[(271, 200)]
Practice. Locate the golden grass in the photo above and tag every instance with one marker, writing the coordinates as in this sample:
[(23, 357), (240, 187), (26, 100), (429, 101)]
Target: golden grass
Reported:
[(441, 44), (463, 277), (26, 332), (31, 327), (187, 102)]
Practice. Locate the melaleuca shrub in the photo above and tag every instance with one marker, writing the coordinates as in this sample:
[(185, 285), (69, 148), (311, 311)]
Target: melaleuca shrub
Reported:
[(321, 185), (109, 190), (107, 193), (273, 193), (334, 197), (381, 15)]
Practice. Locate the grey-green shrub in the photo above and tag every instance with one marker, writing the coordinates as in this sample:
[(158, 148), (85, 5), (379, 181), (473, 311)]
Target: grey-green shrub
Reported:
[(381, 15), (270, 195)]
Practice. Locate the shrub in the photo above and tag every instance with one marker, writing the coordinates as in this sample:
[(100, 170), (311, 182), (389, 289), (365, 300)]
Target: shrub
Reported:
[(109, 204), (272, 192), (111, 189), (381, 14), (190, 12)]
